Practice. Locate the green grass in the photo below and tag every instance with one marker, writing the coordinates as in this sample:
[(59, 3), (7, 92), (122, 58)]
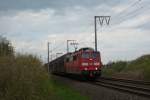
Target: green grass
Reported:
[(139, 68), (64, 92)]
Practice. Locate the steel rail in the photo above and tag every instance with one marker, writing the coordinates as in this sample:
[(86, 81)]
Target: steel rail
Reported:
[(125, 86), (124, 89), (127, 80)]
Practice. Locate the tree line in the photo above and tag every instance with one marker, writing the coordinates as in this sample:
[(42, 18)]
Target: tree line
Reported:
[(6, 48)]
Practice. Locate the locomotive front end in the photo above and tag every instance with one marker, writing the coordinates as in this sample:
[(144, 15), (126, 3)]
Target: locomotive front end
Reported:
[(90, 64)]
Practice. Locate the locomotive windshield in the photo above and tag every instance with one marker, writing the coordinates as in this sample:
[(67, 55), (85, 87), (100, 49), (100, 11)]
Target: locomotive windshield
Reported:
[(95, 55), (85, 55)]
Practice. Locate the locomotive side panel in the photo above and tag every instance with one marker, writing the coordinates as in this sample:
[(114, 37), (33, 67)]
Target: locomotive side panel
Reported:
[(72, 63), (58, 65)]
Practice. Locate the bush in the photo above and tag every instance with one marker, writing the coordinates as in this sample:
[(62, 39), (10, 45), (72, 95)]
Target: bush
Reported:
[(119, 66), (108, 72), (138, 68), (23, 78), (114, 67)]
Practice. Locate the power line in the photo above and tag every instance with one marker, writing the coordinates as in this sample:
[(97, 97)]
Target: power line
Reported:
[(119, 17), (125, 16), (126, 9), (58, 46)]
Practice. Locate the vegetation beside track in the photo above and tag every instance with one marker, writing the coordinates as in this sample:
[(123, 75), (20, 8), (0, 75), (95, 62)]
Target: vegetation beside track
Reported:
[(23, 77), (135, 69), (63, 92)]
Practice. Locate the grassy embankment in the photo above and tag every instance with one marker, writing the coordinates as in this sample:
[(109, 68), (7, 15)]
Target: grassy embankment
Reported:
[(23, 77), (136, 69)]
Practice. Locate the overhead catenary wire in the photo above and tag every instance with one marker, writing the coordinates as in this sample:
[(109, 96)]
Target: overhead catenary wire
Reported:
[(126, 9), (127, 15), (123, 15)]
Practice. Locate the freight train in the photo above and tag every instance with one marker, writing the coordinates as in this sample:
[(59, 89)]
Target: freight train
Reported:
[(86, 62)]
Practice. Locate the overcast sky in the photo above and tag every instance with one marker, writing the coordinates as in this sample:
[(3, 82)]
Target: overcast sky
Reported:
[(30, 24)]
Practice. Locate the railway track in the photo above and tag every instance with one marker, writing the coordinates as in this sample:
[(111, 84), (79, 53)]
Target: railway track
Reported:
[(130, 86)]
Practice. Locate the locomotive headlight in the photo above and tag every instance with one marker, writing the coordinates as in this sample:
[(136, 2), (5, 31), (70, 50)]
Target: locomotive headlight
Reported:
[(85, 68), (96, 64), (96, 68), (84, 64)]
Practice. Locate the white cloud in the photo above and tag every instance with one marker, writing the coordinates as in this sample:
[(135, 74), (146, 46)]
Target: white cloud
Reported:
[(138, 20), (30, 31)]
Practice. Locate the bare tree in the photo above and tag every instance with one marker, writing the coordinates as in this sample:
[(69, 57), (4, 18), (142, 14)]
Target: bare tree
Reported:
[(5, 47)]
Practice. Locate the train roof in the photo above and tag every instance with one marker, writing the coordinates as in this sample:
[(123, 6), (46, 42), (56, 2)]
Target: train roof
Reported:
[(72, 53), (86, 49)]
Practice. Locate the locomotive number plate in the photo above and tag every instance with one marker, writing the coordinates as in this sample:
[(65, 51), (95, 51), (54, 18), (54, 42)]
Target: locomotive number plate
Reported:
[(90, 64)]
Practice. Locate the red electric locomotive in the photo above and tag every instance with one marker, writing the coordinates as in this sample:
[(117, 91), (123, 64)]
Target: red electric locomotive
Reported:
[(84, 62)]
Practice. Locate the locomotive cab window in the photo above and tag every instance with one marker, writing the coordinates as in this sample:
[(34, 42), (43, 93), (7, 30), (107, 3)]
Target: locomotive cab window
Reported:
[(67, 59), (70, 58), (95, 55), (74, 58), (85, 55)]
